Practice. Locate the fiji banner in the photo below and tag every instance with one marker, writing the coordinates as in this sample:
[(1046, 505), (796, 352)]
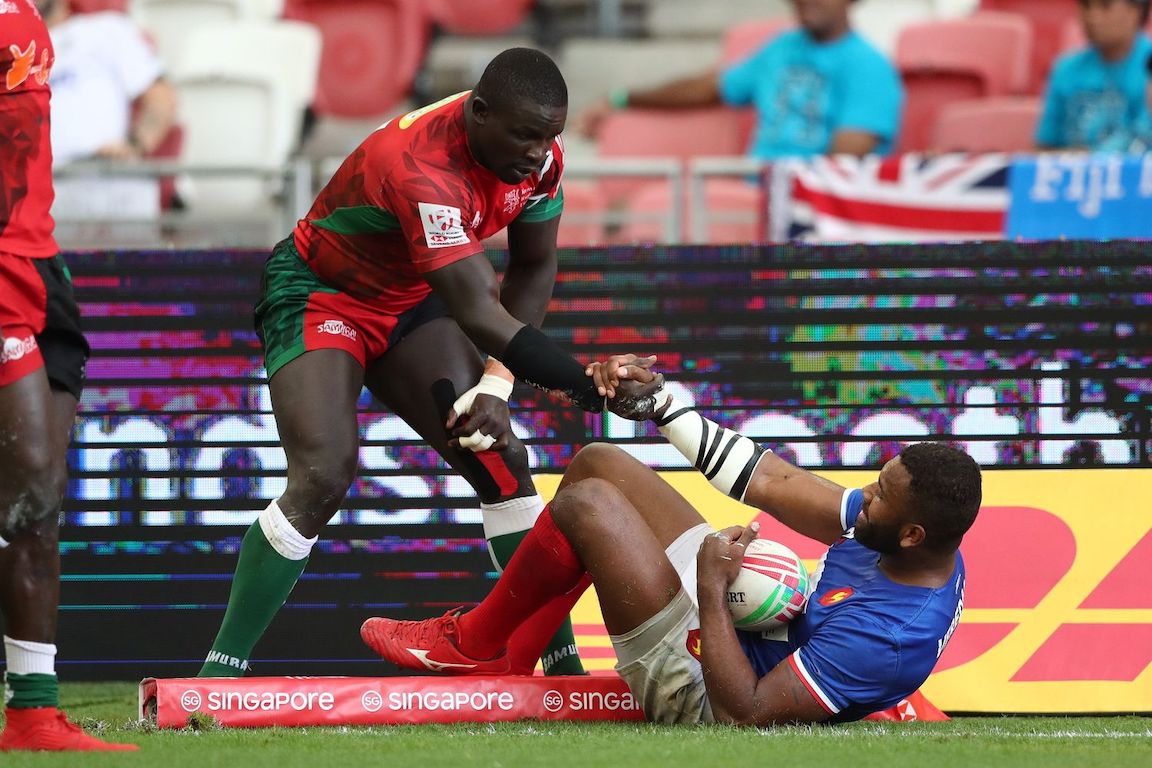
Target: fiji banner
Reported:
[(1057, 609), (1080, 197), (953, 197)]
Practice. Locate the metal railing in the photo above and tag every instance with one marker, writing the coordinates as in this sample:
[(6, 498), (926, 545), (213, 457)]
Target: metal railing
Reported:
[(292, 188)]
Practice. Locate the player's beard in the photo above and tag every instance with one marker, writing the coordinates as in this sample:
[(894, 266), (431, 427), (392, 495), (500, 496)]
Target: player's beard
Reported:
[(882, 538)]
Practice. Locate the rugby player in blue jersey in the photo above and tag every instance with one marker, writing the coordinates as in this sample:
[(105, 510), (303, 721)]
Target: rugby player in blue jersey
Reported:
[(886, 596)]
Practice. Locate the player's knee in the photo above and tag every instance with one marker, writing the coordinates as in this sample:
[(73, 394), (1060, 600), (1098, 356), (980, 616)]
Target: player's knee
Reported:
[(594, 460), (35, 504), (324, 483), (587, 504)]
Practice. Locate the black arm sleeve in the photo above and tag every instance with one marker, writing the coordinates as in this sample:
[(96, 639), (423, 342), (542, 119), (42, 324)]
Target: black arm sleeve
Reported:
[(536, 359)]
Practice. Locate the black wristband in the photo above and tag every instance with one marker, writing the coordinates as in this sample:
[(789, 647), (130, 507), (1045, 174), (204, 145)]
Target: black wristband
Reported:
[(537, 360)]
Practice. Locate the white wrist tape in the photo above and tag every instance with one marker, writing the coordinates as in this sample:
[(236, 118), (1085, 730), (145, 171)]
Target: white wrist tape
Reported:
[(489, 384), (726, 458)]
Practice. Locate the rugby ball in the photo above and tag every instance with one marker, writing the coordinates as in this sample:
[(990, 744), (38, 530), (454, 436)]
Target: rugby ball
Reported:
[(771, 589)]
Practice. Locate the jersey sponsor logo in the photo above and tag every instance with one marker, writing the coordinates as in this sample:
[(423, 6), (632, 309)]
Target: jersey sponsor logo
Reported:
[(337, 328), (15, 349), (8, 7), (836, 596), (693, 643), (443, 225), (24, 66), (515, 198)]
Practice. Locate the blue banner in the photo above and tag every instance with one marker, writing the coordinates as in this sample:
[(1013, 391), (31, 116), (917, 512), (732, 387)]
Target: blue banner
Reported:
[(1080, 197)]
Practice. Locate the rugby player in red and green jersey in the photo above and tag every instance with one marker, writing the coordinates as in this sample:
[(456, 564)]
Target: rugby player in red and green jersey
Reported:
[(42, 359), (384, 284)]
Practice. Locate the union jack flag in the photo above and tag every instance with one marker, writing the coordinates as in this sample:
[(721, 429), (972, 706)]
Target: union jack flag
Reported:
[(910, 198)]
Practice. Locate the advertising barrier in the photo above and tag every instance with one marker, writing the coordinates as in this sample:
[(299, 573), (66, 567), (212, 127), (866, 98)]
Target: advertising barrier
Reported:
[(302, 701)]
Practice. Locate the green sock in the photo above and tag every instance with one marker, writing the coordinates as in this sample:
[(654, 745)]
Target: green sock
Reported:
[(28, 691), (560, 656), (264, 579)]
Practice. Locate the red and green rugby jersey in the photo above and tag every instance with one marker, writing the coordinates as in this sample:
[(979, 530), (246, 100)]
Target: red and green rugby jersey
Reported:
[(411, 199), (26, 58)]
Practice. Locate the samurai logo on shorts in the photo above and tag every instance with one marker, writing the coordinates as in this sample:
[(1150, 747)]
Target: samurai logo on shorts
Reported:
[(337, 328), (14, 348), (443, 225)]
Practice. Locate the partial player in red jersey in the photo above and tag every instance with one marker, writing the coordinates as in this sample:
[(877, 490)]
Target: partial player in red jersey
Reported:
[(42, 358), (385, 285)]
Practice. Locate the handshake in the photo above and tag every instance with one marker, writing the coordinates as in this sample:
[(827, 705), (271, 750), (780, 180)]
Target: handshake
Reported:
[(630, 387)]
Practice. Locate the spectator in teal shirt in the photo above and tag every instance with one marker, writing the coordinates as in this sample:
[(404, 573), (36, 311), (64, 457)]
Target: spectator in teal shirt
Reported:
[(1096, 95), (820, 89)]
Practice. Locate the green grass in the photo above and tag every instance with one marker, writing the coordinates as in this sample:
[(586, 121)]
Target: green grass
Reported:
[(1020, 742)]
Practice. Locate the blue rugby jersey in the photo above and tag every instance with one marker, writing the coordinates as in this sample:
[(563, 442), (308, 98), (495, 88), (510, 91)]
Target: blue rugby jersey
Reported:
[(863, 642)]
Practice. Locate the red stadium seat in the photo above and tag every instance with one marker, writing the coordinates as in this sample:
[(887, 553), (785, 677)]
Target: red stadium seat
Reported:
[(372, 50), (1048, 19), (478, 17), (983, 55), (95, 6), (680, 134), (1004, 124), (743, 39), (584, 215), (734, 212)]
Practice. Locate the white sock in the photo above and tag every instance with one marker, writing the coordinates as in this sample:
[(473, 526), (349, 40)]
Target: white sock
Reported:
[(28, 658), (512, 516), (283, 536)]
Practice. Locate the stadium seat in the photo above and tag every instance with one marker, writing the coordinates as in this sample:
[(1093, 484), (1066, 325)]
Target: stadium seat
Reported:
[(243, 88), (170, 21), (881, 21), (478, 17), (592, 66), (679, 134), (1048, 19), (983, 55), (95, 6), (743, 39), (734, 212), (1006, 124), (372, 50), (583, 221)]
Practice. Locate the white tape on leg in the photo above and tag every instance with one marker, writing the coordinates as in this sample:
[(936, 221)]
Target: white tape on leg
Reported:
[(477, 441), (489, 384)]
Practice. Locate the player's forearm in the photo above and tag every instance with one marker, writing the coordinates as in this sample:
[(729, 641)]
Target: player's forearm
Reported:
[(727, 458), (527, 289), (728, 676)]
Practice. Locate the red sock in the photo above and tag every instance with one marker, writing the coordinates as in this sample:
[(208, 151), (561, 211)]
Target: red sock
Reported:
[(543, 567), (533, 636)]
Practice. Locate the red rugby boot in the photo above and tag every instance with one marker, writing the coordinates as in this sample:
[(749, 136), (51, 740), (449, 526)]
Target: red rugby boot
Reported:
[(429, 645), (47, 729)]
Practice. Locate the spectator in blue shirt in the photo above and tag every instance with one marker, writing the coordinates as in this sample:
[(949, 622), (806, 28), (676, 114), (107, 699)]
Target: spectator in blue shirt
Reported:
[(1096, 95), (820, 89)]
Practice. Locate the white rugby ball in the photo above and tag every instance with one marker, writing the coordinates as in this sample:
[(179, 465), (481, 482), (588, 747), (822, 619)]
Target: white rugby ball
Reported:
[(772, 587)]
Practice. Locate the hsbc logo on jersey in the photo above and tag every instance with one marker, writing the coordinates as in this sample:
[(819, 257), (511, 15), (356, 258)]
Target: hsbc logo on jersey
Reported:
[(443, 225)]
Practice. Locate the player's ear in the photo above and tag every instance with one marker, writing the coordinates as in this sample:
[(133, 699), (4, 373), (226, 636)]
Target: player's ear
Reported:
[(481, 110), (912, 535)]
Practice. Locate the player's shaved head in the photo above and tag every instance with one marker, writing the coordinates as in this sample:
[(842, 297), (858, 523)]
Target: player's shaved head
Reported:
[(946, 491), (519, 74)]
